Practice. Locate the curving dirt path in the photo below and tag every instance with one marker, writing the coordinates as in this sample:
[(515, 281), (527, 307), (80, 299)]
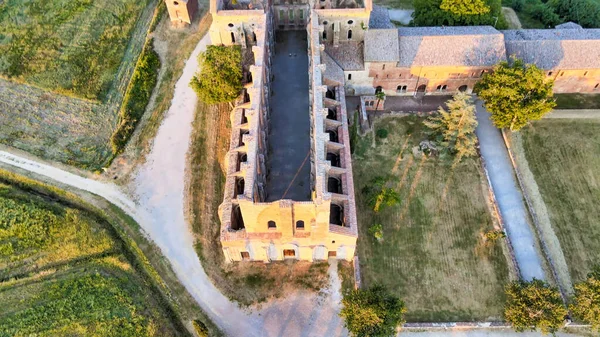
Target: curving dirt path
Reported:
[(158, 190)]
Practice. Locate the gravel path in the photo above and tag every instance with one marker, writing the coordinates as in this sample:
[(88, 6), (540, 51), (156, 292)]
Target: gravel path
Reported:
[(401, 15), (159, 188), (508, 195)]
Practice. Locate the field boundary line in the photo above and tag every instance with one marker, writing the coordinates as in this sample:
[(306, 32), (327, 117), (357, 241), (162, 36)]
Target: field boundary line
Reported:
[(534, 217), (483, 325), (496, 207)]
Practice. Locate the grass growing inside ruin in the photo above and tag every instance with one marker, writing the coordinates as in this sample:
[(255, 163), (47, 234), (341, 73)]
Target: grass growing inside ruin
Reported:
[(72, 64), (433, 254), (247, 283), (65, 270), (564, 156)]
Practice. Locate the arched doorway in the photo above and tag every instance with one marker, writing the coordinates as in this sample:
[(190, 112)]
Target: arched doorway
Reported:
[(463, 88), (422, 88)]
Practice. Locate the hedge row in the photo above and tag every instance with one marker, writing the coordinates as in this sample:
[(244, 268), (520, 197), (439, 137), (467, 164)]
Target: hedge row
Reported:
[(137, 97)]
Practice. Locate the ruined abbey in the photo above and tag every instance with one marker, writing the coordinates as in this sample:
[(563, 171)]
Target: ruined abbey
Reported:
[(289, 189)]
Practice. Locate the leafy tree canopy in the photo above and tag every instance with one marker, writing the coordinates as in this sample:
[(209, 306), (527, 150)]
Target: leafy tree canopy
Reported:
[(534, 304), (220, 78), (584, 12), (587, 299), (455, 129), (465, 7), (379, 195), (515, 94), (458, 13), (372, 312)]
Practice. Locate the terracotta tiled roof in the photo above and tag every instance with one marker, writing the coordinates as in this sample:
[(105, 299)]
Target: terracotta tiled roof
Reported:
[(349, 55), (450, 46), (380, 18), (381, 45), (570, 48)]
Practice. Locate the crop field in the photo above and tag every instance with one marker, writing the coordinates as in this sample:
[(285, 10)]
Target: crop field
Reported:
[(65, 272), (433, 253), (64, 68), (564, 156)]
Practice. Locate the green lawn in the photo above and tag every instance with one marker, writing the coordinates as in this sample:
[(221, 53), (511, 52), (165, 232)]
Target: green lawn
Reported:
[(577, 101), (64, 68), (433, 254), (564, 156), (66, 271), (68, 46)]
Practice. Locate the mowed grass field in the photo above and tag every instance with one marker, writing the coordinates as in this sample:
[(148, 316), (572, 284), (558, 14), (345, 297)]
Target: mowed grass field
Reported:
[(64, 68), (564, 156), (65, 272), (433, 254)]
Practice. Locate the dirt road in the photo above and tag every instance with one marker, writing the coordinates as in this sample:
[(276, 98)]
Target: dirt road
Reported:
[(157, 205)]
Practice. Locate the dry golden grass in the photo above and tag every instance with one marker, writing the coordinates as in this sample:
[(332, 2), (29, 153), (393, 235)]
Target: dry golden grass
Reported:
[(433, 254)]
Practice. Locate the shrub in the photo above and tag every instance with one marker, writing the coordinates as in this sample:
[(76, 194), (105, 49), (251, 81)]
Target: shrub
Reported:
[(220, 78), (137, 97), (494, 235), (378, 195), (200, 328), (377, 231), (534, 304), (381, 133), (587, 299), (373, 312)]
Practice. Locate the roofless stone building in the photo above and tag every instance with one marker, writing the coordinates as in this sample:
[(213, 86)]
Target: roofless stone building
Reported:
[(289, 190)]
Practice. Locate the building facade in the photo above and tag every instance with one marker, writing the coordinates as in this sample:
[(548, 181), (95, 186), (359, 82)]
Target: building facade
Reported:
[(288, 201)]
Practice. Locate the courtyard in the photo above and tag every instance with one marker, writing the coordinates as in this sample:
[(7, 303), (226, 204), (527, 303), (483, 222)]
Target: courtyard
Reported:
[(433, 254), (289, 130)]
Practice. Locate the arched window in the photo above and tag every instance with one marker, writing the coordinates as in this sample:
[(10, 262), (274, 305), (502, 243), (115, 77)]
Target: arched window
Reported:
[(378, 89), (324, 35), (175, 3), (232, 38), (350, 34), (271, 224), (349, 77), (300, 224), (463, 88)]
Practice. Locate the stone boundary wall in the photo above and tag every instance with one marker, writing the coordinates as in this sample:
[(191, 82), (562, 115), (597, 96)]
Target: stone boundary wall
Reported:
[(539, 231), (435, 326)]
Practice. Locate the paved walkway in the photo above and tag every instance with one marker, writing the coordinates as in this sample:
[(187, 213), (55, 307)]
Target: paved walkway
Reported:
[(508, 195)]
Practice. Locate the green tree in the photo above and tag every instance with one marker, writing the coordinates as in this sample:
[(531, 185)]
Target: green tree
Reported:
[(465, 7), (584, 12), (220, 78), (534, 304), (458, 13), (372, 312), (379, 195), (587, 299), (455, 129), (380, 95), (515, 94)]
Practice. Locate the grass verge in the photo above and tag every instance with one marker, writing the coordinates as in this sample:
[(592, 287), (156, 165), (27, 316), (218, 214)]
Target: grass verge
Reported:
[(577, 101), (433, 255), (564, 156), (143, 257)]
